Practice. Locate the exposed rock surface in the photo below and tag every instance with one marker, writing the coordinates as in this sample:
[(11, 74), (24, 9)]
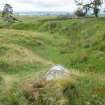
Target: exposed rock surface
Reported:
[(57, 71)]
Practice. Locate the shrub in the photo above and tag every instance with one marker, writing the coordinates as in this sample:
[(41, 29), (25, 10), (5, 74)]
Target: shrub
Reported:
[(80, 13)]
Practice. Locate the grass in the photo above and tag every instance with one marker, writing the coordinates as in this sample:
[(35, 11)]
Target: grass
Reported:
[(29, 48), (74, 35)]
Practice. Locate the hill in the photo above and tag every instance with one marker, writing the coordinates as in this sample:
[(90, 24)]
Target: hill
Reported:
[(30, 47), (81, 42)]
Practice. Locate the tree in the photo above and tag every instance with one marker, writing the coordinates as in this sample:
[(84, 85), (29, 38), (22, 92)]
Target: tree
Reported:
[(80, 13), (91, 4), (96, 4), (7, 13)]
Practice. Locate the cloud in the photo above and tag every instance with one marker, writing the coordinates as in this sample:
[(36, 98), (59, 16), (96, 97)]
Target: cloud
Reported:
[(41, 5)]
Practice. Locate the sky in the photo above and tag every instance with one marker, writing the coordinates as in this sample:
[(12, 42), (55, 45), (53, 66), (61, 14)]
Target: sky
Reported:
[(41, 5)]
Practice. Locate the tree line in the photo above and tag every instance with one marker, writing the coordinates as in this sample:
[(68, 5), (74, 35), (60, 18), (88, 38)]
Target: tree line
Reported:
[(83, 9), (90, 5)]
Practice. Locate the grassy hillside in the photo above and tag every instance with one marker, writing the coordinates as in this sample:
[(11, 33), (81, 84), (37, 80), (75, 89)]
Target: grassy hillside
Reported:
[(30, 47), (77, 43)]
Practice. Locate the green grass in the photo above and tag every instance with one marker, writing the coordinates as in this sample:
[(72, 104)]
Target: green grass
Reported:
[(85, 36), (30, 47)]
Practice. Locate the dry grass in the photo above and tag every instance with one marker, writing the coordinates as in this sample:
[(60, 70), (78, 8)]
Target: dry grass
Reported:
[(21, 55)]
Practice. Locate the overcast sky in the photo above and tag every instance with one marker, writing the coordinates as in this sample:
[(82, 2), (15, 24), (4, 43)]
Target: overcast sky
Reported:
[(41, 5)]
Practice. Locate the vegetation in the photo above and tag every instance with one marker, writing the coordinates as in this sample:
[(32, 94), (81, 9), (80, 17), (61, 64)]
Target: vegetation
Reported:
[(80, 13), (91, 4), (29, 48), (7, 14)]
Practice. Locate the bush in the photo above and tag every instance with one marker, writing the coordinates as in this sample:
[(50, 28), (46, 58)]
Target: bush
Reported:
[(80, 13)]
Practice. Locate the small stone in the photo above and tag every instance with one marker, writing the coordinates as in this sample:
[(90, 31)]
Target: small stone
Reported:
[(57, 71)]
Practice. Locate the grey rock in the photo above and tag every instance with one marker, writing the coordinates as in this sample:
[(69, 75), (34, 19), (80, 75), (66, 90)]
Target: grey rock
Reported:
[(57, 71)]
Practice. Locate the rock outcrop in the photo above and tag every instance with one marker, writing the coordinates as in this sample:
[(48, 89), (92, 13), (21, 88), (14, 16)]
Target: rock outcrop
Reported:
[(57, 71)]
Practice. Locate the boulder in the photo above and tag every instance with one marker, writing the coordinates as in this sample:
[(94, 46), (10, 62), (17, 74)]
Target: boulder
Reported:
[(57, 71)]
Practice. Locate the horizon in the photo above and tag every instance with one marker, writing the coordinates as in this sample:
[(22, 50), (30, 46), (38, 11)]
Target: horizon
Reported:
[(40, 5)]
